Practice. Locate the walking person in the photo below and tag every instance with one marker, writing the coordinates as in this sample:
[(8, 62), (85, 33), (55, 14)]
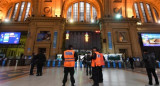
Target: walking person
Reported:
[(96, 63), (88, 64), (69, 57), (150, 63), (33, 63), (131, 61), (41, 59)]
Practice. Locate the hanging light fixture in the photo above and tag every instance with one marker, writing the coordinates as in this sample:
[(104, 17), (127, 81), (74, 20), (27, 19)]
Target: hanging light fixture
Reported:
[(86, 37), (67, 35)]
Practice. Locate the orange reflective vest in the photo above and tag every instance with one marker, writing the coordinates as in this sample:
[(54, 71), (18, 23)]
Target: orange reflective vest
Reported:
[(69, 60), (102, 60), (97, 61)]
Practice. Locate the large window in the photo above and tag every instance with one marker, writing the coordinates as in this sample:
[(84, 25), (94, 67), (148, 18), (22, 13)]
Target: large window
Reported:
[(136, 10), (21, 11), (27, 10), (15, 10), (75, 12), (87, 12), (8, 13), (149, 12), (81, 13), (146, 12)]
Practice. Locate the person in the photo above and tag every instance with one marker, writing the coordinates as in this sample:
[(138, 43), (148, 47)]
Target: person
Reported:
[(100, 68), (131, 60), (41, 59), (96, 63), (69, 57), (33, 62), (150, 63), (87, 60)]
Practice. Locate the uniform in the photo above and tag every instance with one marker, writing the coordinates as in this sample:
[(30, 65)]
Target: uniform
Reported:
[(96, 63), (69, 63)]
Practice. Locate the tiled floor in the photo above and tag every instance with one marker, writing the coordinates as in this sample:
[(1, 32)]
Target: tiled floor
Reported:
[(11, 76)]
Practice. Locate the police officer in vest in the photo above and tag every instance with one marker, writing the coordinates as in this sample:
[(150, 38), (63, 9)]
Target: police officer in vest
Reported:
[(100, 68), (69, 57), (96, 64)]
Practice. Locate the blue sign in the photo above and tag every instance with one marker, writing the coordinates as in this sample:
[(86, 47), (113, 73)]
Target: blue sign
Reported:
[(55, 39), (109, 40)]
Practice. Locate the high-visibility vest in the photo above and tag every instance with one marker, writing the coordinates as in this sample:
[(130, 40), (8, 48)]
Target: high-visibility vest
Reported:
[(102, 60), (97, 61), (69, 60)]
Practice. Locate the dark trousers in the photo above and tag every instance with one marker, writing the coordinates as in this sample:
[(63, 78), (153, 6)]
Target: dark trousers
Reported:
[(39, 69), (88, 66), (66, 71), (32, 68), (132, 67), (151, 71), (100, 74), (95, 75)]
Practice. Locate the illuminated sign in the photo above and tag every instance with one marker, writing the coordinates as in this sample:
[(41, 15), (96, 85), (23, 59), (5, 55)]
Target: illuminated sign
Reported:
[(86, 37)]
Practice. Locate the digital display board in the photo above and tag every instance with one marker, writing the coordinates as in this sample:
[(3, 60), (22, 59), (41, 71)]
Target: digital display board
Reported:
[(10, 37), (150, 39)]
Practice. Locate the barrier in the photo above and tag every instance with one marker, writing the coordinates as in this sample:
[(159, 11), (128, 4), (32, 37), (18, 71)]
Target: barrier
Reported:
[(109, 64), (59, 63), (4, 62), (120, 64), (16, 62), (114, 64), (48, 63), (159, 64), (54, 63), (80, 64), (75, 64)]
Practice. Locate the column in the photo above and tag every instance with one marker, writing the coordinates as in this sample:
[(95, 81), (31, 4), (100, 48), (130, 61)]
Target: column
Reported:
[(136, 50)]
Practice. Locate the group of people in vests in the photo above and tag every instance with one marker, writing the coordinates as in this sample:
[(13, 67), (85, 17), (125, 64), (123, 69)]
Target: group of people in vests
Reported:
[(97, 61)]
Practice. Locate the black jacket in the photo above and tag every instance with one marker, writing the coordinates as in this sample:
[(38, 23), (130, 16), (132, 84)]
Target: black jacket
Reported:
[(33, 60), (41, 58), (149, 60)]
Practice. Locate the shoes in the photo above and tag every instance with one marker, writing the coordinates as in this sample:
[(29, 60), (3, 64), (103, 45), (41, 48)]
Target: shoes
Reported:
[(37, 75), (95, 85), (31, 74)]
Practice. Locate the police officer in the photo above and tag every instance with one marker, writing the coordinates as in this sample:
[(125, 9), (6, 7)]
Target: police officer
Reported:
[(100, 68), (41, 59), (96, 63), (69, 58)]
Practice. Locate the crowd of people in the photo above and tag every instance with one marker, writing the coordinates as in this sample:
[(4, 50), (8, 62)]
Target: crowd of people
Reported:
[(94, 62)]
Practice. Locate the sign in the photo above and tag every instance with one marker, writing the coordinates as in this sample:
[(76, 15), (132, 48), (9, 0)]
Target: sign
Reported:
[(109, 40), (55, 39)]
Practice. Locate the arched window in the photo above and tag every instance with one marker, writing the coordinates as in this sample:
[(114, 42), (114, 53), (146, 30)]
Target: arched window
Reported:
[(8, 13), (147, 12), (81, 12), (21, 14), (21, 11), (15, 10)]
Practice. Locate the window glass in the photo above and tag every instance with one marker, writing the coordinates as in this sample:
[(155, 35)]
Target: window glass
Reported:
[(136, 10), (21, 11), (9, 12), (81, 11), (75, 12), (143, 12), (149, 11), (27, 10), (15, 10), (88, 12)]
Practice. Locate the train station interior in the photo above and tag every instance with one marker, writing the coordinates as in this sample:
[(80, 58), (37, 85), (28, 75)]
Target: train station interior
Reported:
[(120, 29)]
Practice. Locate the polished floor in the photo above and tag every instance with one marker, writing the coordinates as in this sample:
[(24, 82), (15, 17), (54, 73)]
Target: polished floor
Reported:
[(18, 76)]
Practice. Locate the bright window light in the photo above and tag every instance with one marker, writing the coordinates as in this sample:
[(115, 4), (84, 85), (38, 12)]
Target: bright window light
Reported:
[(6, 20), (118, 16)]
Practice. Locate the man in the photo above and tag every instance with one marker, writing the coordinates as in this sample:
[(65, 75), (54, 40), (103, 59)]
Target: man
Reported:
[(33, 62), (69, 57), (96, 63), (131, 60), (100, 69), (41, 59), (150, 63), (88, 63)]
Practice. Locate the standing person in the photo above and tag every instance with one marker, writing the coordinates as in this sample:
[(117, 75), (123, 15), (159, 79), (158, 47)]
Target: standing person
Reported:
[(100, 69), (96, 63), (131, 60), (150, 63), (69, 58), (88, 64), (33, 63), (41, 59)]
